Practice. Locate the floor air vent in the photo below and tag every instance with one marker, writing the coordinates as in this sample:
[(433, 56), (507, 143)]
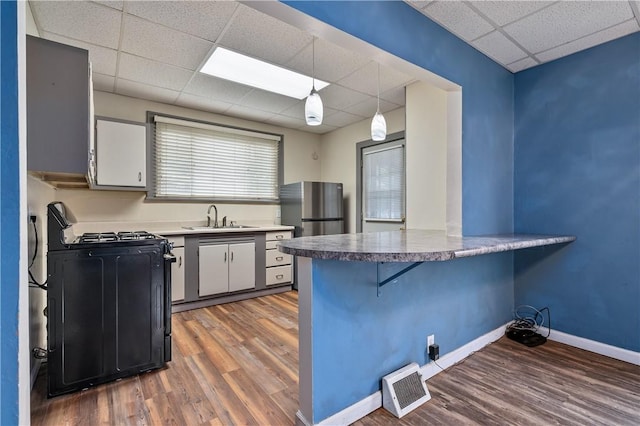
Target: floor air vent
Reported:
[(404, 390)]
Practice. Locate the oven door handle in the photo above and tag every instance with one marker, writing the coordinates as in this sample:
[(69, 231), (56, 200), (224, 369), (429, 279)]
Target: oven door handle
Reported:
[(170, 257)]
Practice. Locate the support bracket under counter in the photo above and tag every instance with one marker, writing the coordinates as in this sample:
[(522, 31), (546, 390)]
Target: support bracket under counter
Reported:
[(394, 276)]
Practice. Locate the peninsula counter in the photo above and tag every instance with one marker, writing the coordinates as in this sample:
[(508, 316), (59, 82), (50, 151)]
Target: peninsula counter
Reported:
[(351, 334)]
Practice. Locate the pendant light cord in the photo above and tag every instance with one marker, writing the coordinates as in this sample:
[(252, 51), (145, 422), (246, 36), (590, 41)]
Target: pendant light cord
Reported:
[(378, 110), (313, 64)]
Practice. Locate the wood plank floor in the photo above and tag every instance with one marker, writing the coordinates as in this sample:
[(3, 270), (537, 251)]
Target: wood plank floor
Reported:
[(237, 364)]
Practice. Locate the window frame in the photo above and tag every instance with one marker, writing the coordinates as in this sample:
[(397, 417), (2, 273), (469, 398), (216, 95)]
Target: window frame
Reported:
[(360, 146), (151, 130)]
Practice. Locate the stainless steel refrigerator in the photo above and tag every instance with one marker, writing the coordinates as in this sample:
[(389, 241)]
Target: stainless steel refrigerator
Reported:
[(314, 208)]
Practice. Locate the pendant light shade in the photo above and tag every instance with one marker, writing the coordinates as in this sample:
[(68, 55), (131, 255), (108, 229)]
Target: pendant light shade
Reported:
[(378, 127), (313, 109), (378, 124)]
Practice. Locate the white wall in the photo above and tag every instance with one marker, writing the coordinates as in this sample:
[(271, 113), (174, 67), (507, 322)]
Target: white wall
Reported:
[(426, 136), (338, 157), (98, 206)]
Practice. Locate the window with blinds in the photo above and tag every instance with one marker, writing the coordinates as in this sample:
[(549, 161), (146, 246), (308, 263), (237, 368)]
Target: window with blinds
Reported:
[(383, 180), (194, 160)]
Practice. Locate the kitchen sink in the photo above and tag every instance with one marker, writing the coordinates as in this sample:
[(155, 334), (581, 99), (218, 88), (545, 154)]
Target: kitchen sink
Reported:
[(207, 228)]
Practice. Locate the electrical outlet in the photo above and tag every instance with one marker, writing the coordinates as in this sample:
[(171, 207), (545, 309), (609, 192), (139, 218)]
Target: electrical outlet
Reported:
[(277, 213), (431, 339)]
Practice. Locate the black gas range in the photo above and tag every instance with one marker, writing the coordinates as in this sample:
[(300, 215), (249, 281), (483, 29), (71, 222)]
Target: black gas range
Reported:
[(108, 304)]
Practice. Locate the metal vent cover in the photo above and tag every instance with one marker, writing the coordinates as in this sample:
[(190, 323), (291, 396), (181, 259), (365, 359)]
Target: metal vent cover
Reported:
[(404, 390)]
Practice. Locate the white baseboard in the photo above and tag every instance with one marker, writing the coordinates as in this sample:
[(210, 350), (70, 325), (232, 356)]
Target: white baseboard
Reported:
[(355, 412), (374, 401), (593, 346), (431, 369)]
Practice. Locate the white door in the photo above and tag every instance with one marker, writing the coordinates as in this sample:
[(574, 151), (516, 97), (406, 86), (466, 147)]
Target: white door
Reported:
[(177, 275), (383, 187), (242, 266), (214, 269), (121, 154)]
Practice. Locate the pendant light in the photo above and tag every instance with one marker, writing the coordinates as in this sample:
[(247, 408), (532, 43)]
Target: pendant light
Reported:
[(313, 106), (378, 124)]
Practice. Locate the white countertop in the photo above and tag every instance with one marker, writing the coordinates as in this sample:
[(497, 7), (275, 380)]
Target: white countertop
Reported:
[(174, 228)]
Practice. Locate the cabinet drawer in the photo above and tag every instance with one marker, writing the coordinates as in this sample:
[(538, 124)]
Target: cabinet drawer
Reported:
[(276, 258), (177, 241), (271, 245), (279, 275), (278, 235)]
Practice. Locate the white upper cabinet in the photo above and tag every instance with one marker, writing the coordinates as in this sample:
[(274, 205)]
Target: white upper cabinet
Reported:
[(121, 158)]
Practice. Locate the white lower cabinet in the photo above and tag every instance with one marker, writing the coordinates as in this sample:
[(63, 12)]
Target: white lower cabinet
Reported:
[(278, 265), (226, 267)]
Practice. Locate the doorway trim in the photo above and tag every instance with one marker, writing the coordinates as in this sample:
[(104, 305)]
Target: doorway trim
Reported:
[(360, 146)]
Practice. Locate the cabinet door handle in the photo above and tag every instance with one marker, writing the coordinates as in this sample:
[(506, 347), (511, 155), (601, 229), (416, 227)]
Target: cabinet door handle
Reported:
[(279, 276), (179, 261), (232, 256), (279, 258), (139, 176), (225, 257)]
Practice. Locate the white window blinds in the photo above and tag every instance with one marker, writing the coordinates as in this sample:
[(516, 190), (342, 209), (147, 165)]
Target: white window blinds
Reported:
[(198, 160), (384, 184)]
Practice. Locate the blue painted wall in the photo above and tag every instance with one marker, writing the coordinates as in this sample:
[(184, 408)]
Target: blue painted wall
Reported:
[(10, 213), (458, 301), (577, 171), (487, 97), (359, 337)]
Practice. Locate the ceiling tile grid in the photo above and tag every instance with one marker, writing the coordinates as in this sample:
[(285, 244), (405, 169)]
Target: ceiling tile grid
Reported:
[(88, 22), (153, 73), (216, 88), (204, 19), (103, 60), (260, 36), (523, 34), (162, 44), (498, 47)]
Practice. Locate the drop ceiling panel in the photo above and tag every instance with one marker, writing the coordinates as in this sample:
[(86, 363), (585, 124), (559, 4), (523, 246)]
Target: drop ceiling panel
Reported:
[(202, 103), (339, 97), (285, 121), (331, 62), (365, 79), (420, 4), (321, 129), (111, 3), (341, 119), (261, 36), (204, 19), (249, 113), (162, 44), (216, 88), (154, 73), (88, 22), (144, 91), (567, 21), (505, 12), (103, 83), (498, 47), (368, 107), (103, 60), (267, 101), (522, 64), (459, 19), (395, 96), (591, 40)]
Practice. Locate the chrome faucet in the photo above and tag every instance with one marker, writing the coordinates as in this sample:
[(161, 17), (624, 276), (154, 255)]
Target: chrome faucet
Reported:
[(215, 220)]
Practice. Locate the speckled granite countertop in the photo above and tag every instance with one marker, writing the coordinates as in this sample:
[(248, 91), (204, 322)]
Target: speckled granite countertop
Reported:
[(410, 245)]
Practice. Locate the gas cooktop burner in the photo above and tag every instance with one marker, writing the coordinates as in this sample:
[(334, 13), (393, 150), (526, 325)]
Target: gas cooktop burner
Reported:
[(106, 237), (92, 237)]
